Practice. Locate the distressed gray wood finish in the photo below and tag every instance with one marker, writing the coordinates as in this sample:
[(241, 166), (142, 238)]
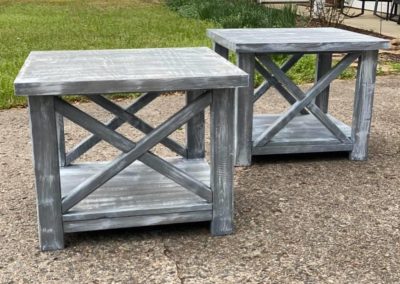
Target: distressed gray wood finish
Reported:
[(302, 129), (89, 142), (130, 70), (195, 130), (273, 82), (136, 122), (131, 151), (222, 160), (270, 80), (303, 134), (299, 95), (283, 120), (136, 221), (298, 41), (149, 158), (292, 40), (137, 190), (61, 140), (323, 65), (318, 147), (364, 96), (278, 85), (244, 112), (47, 176)]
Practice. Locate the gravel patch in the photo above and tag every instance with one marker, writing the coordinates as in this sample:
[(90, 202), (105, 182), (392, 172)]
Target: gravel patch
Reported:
[(298, 219)]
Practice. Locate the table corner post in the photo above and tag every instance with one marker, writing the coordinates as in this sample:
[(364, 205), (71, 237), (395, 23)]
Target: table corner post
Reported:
[(195, 130), (61, 140), (363, 102), (244, 112), (222, 159), (323, 66), (47, 172)]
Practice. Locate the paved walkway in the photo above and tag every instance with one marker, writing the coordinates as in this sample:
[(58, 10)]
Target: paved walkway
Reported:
[(318, 219), (370, 22)]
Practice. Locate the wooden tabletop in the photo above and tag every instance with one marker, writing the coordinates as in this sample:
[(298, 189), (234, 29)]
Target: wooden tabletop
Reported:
[(129, 70), (283, 40)]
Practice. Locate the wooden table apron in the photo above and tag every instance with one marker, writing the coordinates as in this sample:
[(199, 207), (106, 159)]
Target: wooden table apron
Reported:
[(287, 133), (137, 188)]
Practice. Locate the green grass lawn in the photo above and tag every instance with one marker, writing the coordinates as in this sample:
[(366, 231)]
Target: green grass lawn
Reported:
[(78, 24), (27, 25)]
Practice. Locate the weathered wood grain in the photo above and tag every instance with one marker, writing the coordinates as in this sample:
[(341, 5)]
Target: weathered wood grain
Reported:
[(125, 159), (61, 140), (269, 83), (282, 40), (275, 83), (136, 122), (298, 41), (125, 145), (283, 120), (126, 192), (222, 161), (363, 102), (129, 70), (47, 174), (299, 95), (195, 130), (323, 65), (299, 148), (137, 221), (89, 142), (244, 112), (137, 190), (303, 134)]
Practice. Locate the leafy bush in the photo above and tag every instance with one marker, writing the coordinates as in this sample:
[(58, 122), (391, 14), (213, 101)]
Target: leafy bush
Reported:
[(235, 13), (248, 14)]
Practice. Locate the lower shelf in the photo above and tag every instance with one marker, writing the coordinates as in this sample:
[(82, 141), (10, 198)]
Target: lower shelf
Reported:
[(138, 196), (304, 134)]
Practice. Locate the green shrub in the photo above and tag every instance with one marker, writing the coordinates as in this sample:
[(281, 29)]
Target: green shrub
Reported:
[(235, 13)]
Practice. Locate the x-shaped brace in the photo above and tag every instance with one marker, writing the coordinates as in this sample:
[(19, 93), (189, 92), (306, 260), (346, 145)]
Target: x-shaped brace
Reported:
[(303, 100), (268, 83), (116, 122), (133, 151)]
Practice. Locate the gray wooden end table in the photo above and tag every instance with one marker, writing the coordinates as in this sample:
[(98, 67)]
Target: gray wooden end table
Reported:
[(291, 132), (137, 188)]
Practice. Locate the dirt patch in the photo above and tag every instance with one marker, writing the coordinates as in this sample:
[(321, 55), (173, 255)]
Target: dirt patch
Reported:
[(298, 219), (389, 57)]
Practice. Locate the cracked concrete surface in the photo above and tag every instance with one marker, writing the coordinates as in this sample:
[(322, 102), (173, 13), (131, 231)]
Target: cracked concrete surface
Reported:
[(298, 219), (168, 253)]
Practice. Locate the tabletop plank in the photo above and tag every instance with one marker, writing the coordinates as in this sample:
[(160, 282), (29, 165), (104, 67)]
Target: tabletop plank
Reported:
[(127, 70), (281, 40)]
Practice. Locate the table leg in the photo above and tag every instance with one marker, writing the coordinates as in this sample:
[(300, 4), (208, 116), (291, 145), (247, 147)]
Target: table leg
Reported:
[(244, 112), (222, 130), (363, 101), (47, 172), (61, 140), (195, 130), (243, 108), (324, 65)]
